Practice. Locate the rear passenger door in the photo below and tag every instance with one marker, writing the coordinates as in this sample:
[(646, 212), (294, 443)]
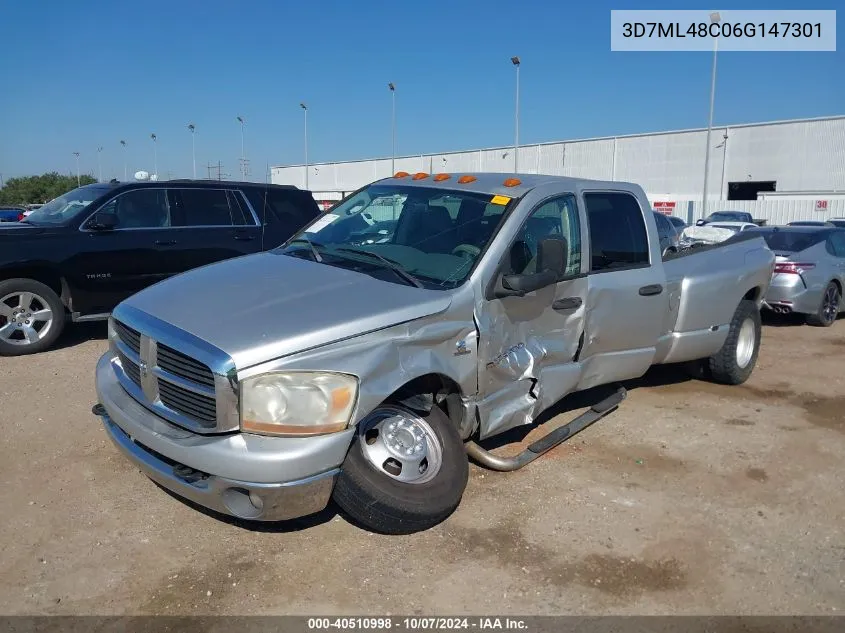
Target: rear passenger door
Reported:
[(627, 298), (215, 224), (837, 245)]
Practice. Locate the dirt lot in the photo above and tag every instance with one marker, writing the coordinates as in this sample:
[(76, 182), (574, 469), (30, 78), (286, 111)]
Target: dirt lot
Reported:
[(692, 498)]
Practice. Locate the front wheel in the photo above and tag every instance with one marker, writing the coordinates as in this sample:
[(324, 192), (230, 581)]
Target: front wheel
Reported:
[(31, 317), (405, 472), (828, 310), (733, 364)]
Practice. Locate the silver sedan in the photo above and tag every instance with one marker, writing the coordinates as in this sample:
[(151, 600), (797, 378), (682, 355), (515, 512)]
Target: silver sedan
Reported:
[(809, 271)]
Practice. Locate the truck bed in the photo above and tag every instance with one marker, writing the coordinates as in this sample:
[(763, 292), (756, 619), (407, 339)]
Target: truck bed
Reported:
[(705, 285)]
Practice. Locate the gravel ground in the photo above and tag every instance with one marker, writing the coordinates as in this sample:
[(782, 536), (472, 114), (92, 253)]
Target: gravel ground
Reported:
[(692, 498)]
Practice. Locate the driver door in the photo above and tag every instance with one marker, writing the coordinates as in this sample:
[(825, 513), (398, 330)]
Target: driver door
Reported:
[(528, 360)]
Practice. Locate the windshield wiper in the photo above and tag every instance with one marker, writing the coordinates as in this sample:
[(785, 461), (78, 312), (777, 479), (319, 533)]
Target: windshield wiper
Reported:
[(389, 263), (312, 245)]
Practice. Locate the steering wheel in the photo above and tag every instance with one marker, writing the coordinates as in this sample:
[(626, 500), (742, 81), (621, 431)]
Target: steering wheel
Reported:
[(466, 250)]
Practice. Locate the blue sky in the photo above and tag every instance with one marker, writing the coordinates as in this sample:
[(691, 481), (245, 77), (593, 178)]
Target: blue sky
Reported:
[(78, 75)]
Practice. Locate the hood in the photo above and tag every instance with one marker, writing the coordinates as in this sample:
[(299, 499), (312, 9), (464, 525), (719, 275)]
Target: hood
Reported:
[(261, 307)]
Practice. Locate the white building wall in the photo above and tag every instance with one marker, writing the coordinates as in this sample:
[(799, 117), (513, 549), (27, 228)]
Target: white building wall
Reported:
[(799, 155)]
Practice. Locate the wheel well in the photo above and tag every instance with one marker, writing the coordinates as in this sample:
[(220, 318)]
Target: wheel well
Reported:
[(838, 285), (435, 389), (44, 275), (753, 294)]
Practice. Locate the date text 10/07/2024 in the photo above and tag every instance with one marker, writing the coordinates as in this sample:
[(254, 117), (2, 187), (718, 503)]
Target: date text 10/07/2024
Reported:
[(417, 624), (723, 29)]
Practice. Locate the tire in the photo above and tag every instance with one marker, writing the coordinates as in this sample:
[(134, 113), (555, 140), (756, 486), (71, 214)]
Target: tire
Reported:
[(17, 339), (733, 364), (381, 502), (828, 310)]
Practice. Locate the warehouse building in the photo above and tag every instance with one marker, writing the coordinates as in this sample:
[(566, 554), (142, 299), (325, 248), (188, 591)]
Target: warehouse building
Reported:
[(782, 169)]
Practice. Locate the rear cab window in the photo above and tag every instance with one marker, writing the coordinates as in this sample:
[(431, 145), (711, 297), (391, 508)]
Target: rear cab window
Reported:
[(791, 241), (618, 235)]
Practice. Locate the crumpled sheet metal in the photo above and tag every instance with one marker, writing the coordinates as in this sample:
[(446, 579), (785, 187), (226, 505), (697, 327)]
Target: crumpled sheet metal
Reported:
[(387, 359)]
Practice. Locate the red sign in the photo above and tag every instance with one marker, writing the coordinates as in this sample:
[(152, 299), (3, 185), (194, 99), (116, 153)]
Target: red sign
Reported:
[(821, 205), (665, 207)]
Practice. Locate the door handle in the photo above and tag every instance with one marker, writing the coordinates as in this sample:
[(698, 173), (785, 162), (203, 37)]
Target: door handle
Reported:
[(245, 238), (570, 303), (653, 289), (165, 242)]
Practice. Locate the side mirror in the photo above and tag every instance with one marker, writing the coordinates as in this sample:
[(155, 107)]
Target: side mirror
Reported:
[(551, 264), (104, 221)]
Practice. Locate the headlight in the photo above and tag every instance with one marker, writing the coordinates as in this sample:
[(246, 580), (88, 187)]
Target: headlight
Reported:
[(297, 403)]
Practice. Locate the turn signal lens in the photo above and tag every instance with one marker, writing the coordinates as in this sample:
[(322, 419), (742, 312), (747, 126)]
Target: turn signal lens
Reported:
[(441, 177), (512, 182), (466, 179), (420, 175)]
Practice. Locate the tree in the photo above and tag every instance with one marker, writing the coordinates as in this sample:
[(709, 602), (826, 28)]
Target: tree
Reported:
[(39, 189)]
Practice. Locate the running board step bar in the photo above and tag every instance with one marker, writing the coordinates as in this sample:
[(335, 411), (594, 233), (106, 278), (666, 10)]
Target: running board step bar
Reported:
[(549, 441)]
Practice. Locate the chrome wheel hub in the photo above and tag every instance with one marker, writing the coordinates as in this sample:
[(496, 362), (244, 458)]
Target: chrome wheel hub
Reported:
[(745, 343), (830, 305), (25, 318), (401, 445)]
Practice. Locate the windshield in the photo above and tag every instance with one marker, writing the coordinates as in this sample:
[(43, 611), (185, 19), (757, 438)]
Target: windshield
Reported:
[(791, 241), (67, 206), (413, 235), (728, 216)]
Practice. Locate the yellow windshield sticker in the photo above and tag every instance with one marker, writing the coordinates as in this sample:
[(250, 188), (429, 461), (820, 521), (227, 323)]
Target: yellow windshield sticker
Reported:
[(500, 200)]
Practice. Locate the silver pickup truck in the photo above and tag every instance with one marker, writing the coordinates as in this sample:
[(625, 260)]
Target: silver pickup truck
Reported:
[(367, 358)]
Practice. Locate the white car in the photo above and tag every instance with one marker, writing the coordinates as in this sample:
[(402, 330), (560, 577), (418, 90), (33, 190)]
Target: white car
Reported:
[(714, 233)]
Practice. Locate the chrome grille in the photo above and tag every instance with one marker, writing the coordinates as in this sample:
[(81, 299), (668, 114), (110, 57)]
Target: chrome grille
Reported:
[(131, 369), (129, 336), (184, 366), (175, 385), (187, 403)]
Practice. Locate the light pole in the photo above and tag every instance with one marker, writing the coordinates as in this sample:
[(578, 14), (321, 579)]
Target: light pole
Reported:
[(155, 154), (99, 166), (243, 155), (392, 87), (724, 146), (715, 18), (515, 62), (78, 181), (305, 112), (123, 143), (193, 129)]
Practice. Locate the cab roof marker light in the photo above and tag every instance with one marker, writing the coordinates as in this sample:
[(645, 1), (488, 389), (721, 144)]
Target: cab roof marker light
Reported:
[(512, 182), (401, 174), (421, 175), (441, 177), (466, 179)]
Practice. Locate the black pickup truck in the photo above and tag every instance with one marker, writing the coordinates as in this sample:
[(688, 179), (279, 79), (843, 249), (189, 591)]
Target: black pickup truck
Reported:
[(81, 254)]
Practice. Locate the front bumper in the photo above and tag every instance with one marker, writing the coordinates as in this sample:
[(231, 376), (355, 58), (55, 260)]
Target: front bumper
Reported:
[(246, 476)]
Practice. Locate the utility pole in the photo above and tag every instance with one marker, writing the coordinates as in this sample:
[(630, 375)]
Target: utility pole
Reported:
[(123, 143), (305, 112), (155, 154), (99, 166), (392, 88), (78, 182), (193, 128), (715, 18), (515, 61)]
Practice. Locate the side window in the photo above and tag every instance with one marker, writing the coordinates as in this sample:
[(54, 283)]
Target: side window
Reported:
[(240, 212), (554, 218), (291, 209), (618, 237), (664, 228), (204, 207), (838, 241), (140, 209)]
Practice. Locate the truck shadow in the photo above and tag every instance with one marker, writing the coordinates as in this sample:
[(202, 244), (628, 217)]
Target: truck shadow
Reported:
[(78, 333), (657, 376)]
